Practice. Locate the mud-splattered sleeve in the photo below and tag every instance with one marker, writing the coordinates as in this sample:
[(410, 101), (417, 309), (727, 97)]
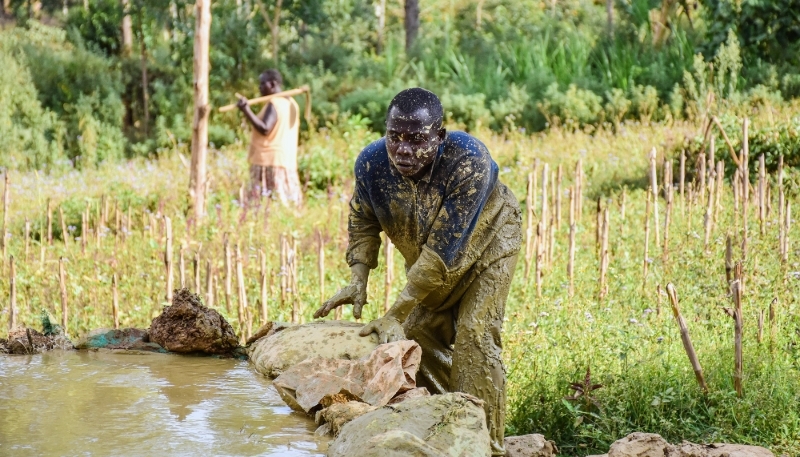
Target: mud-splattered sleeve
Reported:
[(363, 226), (467, 191)]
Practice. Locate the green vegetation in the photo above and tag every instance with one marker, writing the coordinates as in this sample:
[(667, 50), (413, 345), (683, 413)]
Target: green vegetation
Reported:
[(497, 64), (633, 349)]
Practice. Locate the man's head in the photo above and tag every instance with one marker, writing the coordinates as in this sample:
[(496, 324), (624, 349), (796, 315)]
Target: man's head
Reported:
[(270, 82), (414, 131)]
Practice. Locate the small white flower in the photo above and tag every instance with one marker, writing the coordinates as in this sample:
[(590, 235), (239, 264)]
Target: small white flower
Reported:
[(633, 321), (544, 314)]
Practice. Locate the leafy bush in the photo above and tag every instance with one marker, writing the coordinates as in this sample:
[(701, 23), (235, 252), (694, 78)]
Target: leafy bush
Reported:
[(575, 106)]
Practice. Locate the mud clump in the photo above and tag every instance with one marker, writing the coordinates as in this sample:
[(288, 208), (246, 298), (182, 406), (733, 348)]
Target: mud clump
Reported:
[(30, 341), (189, 327)]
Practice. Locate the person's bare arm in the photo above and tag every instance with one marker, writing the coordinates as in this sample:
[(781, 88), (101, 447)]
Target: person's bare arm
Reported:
[(263, 126)]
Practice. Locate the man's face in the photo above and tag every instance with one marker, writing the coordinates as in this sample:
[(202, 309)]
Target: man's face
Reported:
[(267, 86), (412, 141)]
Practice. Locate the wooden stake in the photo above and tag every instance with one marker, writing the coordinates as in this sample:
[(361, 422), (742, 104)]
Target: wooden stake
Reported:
[(683, 182), (49, 224), (244, 330), (736, 314), (168, 259), (559, 179), (579, 189), (4, 234), (702, 174), (228, 275), (728, 260), (62, 283), (762, 195), (544, 217), (209, 284), (686, 338), (604, 256), (539, 258), (114, 301), (654, 190), (745, 172), (12, 304), (708, 220), (572, 230), (598, 227), (64, 232), (530, 230)]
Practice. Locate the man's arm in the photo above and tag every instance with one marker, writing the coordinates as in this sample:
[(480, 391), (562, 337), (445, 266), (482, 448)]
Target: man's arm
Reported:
[(265, 125)]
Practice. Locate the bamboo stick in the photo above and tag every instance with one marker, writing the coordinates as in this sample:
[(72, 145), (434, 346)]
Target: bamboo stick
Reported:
[(168, 259), (12, 286), (264, 287), (114, 301), (62, 283), (387, 287), (686, 338), (6, 198)]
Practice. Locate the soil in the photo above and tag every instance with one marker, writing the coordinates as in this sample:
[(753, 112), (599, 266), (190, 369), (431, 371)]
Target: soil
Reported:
[(187, 326), (30, 341)]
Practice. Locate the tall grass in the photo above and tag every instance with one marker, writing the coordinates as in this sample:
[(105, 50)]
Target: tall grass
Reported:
[(549, 342)]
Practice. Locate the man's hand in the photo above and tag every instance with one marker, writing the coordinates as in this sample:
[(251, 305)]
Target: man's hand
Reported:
[(242, 103), (355, 294), (387, 328)]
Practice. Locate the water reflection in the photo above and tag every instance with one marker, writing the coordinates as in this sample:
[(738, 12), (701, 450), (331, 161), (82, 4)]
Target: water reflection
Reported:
[(94, 403)]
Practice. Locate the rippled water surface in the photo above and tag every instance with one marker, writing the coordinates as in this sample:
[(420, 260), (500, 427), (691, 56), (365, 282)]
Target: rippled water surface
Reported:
[(103, 404)]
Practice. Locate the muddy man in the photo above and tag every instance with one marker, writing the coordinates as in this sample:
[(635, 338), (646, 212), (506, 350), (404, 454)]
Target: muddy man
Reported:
[(437, 196)]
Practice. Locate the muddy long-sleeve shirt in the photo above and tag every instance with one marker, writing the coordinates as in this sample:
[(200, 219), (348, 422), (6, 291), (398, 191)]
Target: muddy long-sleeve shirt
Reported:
[(442, 224)]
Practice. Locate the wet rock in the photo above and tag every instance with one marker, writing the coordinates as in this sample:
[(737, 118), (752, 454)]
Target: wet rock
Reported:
[(652, 445), (529, 446), (129, 339), (268, 329), (189, 327), (334, 417), (413, 393), (30, 341), (453, 424), (273, 354)]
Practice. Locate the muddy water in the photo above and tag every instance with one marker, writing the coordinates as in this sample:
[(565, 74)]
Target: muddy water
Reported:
[(103, 404)]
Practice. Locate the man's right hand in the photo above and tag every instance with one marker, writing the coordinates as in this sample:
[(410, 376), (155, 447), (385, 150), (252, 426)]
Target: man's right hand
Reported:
[(242, 103), (355, 294)]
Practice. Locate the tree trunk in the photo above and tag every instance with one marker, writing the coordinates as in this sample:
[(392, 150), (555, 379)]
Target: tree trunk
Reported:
[(276, 28), (7, 8), (411, 23), (380, 12), (145, 78), (127, 29), (197, 180)]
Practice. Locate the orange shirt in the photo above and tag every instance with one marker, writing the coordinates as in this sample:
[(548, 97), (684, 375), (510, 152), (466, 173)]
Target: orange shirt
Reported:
[(279, 147)]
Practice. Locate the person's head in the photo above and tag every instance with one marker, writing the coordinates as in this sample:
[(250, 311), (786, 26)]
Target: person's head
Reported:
[(270, 82), (414, 131)]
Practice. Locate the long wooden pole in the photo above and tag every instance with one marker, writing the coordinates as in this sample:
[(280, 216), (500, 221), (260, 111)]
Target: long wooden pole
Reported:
[(686, 338), (198, 172), (254, 101)]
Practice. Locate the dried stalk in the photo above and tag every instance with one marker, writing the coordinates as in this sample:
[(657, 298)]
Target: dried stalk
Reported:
[(745, 175), (558, 203), (654, 191), (244, 330), (228, 274), (168, 259), (62, 283), (645, 261), (701, 162), (579, 189), (12, 304), (114, 301), (604, 257), (728, 260), (686, 338), (529, 231), (736, 314), (28, 238), (683, 182), (762, 195), (708, 220)]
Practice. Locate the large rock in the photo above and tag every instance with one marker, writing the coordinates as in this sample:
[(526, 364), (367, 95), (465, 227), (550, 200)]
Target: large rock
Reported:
[(529, 446), (189, 327), (127, 339), (29, 341), (652, 445), (436, 426), (274, 354)]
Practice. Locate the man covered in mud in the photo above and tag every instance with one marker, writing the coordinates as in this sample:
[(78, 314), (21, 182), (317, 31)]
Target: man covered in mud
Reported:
[(437, 196)]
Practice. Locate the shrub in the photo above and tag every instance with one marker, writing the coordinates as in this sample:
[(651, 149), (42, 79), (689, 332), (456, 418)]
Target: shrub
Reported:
[(575, 106)]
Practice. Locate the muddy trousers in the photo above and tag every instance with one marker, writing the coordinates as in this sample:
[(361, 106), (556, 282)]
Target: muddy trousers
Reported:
[(461, 345)]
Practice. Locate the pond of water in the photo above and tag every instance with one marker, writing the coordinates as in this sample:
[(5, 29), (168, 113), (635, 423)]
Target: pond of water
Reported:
[(111, 404)]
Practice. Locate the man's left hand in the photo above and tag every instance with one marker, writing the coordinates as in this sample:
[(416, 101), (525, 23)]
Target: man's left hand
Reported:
[(387, 328)]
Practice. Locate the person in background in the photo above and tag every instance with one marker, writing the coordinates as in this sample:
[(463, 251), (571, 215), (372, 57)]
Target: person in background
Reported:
[(273, 143)]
